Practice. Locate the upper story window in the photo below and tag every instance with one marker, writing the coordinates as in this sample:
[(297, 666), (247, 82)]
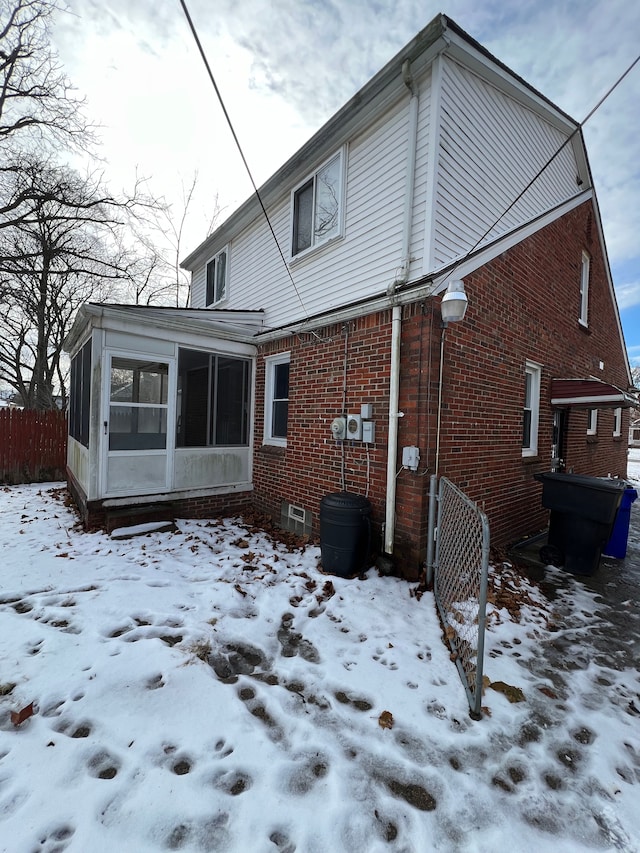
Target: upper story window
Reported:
[(317, 207), (276, 399), (592, 422), (80, 395), (531, 409), (217, 278), (584, 289)]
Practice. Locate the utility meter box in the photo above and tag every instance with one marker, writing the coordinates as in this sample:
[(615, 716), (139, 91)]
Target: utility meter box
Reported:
[(354, 428), (410, 458), (339, 428)]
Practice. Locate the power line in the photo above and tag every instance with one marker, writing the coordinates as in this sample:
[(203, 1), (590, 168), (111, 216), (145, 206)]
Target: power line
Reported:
[(239, 147)]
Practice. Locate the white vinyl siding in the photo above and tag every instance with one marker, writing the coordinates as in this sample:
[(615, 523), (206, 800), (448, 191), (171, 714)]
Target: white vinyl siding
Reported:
[(490, 148), (362, 264)]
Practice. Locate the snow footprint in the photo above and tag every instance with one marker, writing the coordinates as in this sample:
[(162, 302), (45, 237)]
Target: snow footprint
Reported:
[(56, 839)]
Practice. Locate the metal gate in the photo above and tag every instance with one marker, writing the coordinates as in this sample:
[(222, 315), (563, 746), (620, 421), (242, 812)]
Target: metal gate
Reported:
[(460, 572)]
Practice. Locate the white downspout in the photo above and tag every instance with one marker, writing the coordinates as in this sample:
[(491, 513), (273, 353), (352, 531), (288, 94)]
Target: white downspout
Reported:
[(396, 315), (392, 443)]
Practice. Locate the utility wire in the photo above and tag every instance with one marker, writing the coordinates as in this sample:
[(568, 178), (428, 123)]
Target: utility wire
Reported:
[(482, 236), (239, 147)]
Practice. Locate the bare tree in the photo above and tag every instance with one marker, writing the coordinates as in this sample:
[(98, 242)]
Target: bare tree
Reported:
[(37, 101), (157, 278), (61, 253)]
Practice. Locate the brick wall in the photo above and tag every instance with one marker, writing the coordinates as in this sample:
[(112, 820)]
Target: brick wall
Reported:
[(522, 306)]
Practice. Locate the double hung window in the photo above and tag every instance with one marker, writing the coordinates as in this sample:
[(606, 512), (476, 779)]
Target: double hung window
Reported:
[(276, 407), (217, 278), (531, 410), (317, 207)]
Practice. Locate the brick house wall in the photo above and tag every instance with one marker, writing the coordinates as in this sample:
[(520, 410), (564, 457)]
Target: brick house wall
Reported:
[(523, 305)]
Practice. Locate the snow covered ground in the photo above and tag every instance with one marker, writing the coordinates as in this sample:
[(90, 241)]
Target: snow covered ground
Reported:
[(210, 690)]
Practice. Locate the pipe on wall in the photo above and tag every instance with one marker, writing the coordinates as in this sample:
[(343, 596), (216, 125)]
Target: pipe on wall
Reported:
[(396, 314)]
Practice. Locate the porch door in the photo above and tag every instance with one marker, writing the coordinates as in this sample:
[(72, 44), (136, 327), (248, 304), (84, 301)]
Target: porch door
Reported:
[(137, 411)]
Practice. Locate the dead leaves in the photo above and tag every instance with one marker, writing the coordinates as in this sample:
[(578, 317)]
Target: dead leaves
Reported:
[(513, 694), (385, 720)]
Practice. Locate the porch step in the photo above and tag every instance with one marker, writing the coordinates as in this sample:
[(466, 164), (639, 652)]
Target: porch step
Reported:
[(130, 516)]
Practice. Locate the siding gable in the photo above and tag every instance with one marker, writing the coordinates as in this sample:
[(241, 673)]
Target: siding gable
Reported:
[(490, 147)]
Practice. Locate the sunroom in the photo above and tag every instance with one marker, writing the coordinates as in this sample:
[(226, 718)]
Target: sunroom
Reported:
[(160, 408)]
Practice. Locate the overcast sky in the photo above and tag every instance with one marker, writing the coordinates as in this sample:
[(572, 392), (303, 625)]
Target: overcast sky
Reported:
[(285, 66)]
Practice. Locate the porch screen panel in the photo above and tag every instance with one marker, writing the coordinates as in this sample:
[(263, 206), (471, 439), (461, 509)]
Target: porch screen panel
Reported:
[(138, 405), (231, 412), (213, 400), (80, 395)]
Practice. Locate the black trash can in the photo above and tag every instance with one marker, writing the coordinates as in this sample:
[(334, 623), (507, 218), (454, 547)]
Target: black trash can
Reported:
[(583, 511), (345, 533)]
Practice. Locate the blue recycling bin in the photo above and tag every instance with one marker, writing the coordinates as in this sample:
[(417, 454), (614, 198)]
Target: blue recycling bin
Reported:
[(617, 544)]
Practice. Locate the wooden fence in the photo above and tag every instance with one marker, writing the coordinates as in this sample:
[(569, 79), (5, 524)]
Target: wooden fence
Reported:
[(33, 446)]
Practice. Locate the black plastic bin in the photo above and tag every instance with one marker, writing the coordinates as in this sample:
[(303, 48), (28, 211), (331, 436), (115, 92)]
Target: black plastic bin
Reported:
[(345, 533), (583, 511)]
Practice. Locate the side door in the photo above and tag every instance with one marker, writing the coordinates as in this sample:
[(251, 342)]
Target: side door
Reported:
[(137, 429)]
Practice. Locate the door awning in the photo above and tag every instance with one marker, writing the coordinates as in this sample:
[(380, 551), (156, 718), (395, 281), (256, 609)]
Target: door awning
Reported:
[(589, 394)]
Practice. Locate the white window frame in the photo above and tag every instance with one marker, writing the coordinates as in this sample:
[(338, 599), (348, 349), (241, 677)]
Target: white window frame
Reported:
[(592, 422), (339, 232), (585, 267), (533, 370), (215, 262), (617, 422), (270, 365)]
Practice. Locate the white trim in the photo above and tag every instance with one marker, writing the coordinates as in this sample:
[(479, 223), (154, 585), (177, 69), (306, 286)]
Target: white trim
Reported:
[(270, 363), (534, 370), (214, 259), (465, 267), (585, 401), (592, 421), (433, 164), (617, 422), (340, 153), (585, 268)]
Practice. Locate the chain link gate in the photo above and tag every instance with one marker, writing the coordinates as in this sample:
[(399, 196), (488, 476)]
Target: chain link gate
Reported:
[(460, 573)]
